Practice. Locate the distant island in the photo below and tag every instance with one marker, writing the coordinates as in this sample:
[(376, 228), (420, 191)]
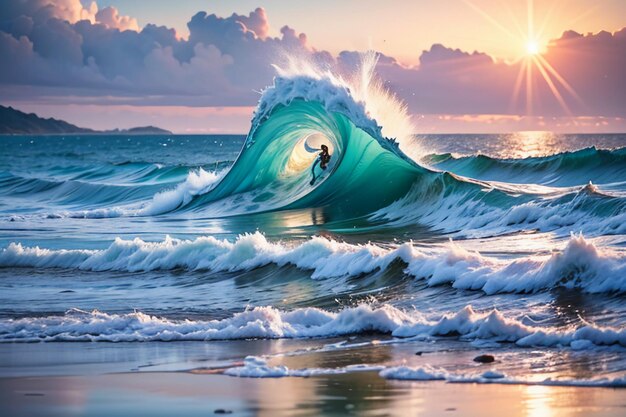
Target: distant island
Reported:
[(15, 122)]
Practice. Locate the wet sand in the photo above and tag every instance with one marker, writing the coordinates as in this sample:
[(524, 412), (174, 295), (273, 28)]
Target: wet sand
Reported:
[(183, 379), (187, 394)]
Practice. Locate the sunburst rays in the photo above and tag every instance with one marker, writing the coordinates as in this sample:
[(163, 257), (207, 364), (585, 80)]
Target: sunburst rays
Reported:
[(533, 62)]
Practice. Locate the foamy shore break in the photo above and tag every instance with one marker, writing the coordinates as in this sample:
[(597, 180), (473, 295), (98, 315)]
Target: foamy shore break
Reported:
[(269, 322), (257, 367)]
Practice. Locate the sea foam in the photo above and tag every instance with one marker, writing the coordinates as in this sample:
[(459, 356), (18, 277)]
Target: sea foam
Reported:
[(272, 323), (580, 264), (429, 373), (499, 208), (256, 367)]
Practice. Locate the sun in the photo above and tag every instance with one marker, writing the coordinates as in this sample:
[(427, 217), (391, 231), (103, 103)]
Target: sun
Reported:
[(532, 48), (532, 62)]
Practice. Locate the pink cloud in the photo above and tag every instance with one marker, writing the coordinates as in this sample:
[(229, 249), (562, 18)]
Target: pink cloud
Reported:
[(110, 17)]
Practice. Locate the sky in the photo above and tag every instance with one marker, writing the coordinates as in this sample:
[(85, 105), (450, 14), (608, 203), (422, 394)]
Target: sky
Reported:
[(196, 66), (398, 28)]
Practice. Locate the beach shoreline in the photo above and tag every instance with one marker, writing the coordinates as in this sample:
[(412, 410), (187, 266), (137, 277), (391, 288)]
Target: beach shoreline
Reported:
[(366, 393), (186, 379)]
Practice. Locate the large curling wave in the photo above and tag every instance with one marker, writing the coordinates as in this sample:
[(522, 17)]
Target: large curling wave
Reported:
[(304, 109)]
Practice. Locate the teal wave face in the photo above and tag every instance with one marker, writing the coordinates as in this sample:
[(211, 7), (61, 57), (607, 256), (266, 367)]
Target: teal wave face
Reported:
[(273, 171), (600, 166)]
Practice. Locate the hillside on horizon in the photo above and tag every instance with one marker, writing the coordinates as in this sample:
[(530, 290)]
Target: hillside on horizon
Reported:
[(16, 122)]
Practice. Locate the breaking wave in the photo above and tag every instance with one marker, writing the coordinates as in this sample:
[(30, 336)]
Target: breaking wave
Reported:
[(269, 322), (580, 264)]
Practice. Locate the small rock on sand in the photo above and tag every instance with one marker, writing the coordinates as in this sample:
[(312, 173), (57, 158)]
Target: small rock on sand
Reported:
[(484, 359)]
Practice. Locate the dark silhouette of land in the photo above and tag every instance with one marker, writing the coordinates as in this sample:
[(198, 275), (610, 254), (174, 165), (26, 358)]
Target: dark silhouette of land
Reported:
[(13, 121)]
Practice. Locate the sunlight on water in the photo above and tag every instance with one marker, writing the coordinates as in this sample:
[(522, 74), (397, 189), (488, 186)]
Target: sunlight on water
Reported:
[(538, 401), (531, 144)]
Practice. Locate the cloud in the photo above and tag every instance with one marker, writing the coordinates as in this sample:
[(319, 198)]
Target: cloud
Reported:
[(256, 21), (594, 65), (85, 51), (110, 17), (42, 10), (585, 70), (439, 54), (63, 50)]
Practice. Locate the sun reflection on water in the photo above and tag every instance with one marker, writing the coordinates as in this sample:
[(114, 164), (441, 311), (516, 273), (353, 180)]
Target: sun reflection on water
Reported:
[(538, 401), (531, 144)]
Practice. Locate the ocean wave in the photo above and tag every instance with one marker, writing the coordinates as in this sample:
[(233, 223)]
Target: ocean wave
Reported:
[(198, 181), (71, 192), (580, 264), (600, 166), (365, 127), (269, 322), (484, 209)]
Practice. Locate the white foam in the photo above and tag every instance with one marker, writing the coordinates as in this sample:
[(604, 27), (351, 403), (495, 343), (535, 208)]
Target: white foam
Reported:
[(255, 367), (494, 326), (493, 374), (425, 373), (428, 373), (269, 322), (580, 264), (467, 212), (197, 183)]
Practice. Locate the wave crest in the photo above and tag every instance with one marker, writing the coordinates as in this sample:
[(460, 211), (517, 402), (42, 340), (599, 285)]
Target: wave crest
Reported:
[(269, 322), (579, 265)]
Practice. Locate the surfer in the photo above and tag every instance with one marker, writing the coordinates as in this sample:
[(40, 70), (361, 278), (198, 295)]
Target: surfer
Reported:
[(323, 159)]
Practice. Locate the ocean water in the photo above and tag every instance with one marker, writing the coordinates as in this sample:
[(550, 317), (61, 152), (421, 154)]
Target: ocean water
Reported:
[(512, 244)]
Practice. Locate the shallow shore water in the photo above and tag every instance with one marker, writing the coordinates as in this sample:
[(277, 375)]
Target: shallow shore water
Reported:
[(164, 379)]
